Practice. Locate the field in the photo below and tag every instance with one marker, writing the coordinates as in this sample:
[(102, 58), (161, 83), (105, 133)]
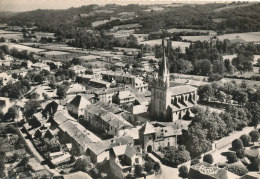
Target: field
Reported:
[(239, 37), (11, 35), (247, 37), (190, 30), (39, 35), (22, 47), (196, 38), (175, 44), (54, 53), (97, 23)]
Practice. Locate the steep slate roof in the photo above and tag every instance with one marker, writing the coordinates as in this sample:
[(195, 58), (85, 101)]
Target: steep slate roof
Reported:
[(124, 150), (147, 128), (99, 147), (125, 94), (79, 102), (77, 175), (62, 116), (177, 90)]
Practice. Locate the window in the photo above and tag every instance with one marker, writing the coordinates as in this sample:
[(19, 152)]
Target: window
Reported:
[(150, 138), (136, 160)]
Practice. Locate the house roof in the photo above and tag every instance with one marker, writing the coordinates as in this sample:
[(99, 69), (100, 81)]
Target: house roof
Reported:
[(79, 102), (77, 175), (62, 116), (148, 128), (125, 94), (99, 147), (76, 88), (177, 90), (107, 91), (60, 159), (124, 150)]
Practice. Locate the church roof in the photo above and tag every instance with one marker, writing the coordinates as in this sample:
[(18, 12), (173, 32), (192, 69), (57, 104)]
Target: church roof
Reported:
[(148, 128), (177, 90)]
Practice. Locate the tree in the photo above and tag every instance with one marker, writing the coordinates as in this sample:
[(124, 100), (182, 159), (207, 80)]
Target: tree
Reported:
[(205, 92), (254, 135), (208, 158), (148, 166), (183, 171), (31, 107), (237, 144), (245, 139), (240, 153), (138, 170), (239, 170), (156, 166), (254, 109), (231, 157), (195, 161), (11, 113), (203, 67), (61, 92)]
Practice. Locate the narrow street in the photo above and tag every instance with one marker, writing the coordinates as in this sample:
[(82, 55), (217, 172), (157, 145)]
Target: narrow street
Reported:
[(167, 172), (36, 154)]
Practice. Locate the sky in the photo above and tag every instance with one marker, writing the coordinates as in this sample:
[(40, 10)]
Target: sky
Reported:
[(27, 5)]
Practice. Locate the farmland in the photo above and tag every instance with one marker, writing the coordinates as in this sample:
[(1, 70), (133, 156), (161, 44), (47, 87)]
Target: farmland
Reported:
[(190, 30), (54, 53), (11, 35), (175, 44), (23, 47)]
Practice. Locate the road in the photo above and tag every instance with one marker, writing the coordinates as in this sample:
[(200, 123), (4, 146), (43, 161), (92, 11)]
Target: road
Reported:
[(36, 154), (167, 172)]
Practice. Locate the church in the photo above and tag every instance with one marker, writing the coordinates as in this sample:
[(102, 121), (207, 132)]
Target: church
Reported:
[(169, 103)]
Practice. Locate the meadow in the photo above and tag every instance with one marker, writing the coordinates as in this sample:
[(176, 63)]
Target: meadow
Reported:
[(23, 47), (175, 44), (11, 34)]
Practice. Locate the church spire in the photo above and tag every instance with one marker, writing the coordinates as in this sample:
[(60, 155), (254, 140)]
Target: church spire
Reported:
[(165, 70)]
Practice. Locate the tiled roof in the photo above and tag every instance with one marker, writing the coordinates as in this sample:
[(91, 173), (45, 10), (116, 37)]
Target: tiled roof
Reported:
[(76, 88), (101, 146), (125, 94), (109, 90), (77, 175), (62, 116), (79, 102), (148, 128), (176, 90)]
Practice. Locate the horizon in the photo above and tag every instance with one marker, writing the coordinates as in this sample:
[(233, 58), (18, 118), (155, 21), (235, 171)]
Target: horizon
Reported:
[(30, 5)]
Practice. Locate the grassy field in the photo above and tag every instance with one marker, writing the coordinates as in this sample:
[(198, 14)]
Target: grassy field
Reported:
[(236, 37), (54, 53), (196, 38), (247, 37), (189, 30), (175, 44), (11, 34), (23, 47), (97, 23)]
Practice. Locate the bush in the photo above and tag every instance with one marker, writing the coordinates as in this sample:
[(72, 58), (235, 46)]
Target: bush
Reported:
[(240, 153), (183, 171), (232, 158), (208, 158), (238, 170), (138, 170), (148, 166), (245, 139), (237, 144), (156, 166), (254, 135), (195, 161)]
